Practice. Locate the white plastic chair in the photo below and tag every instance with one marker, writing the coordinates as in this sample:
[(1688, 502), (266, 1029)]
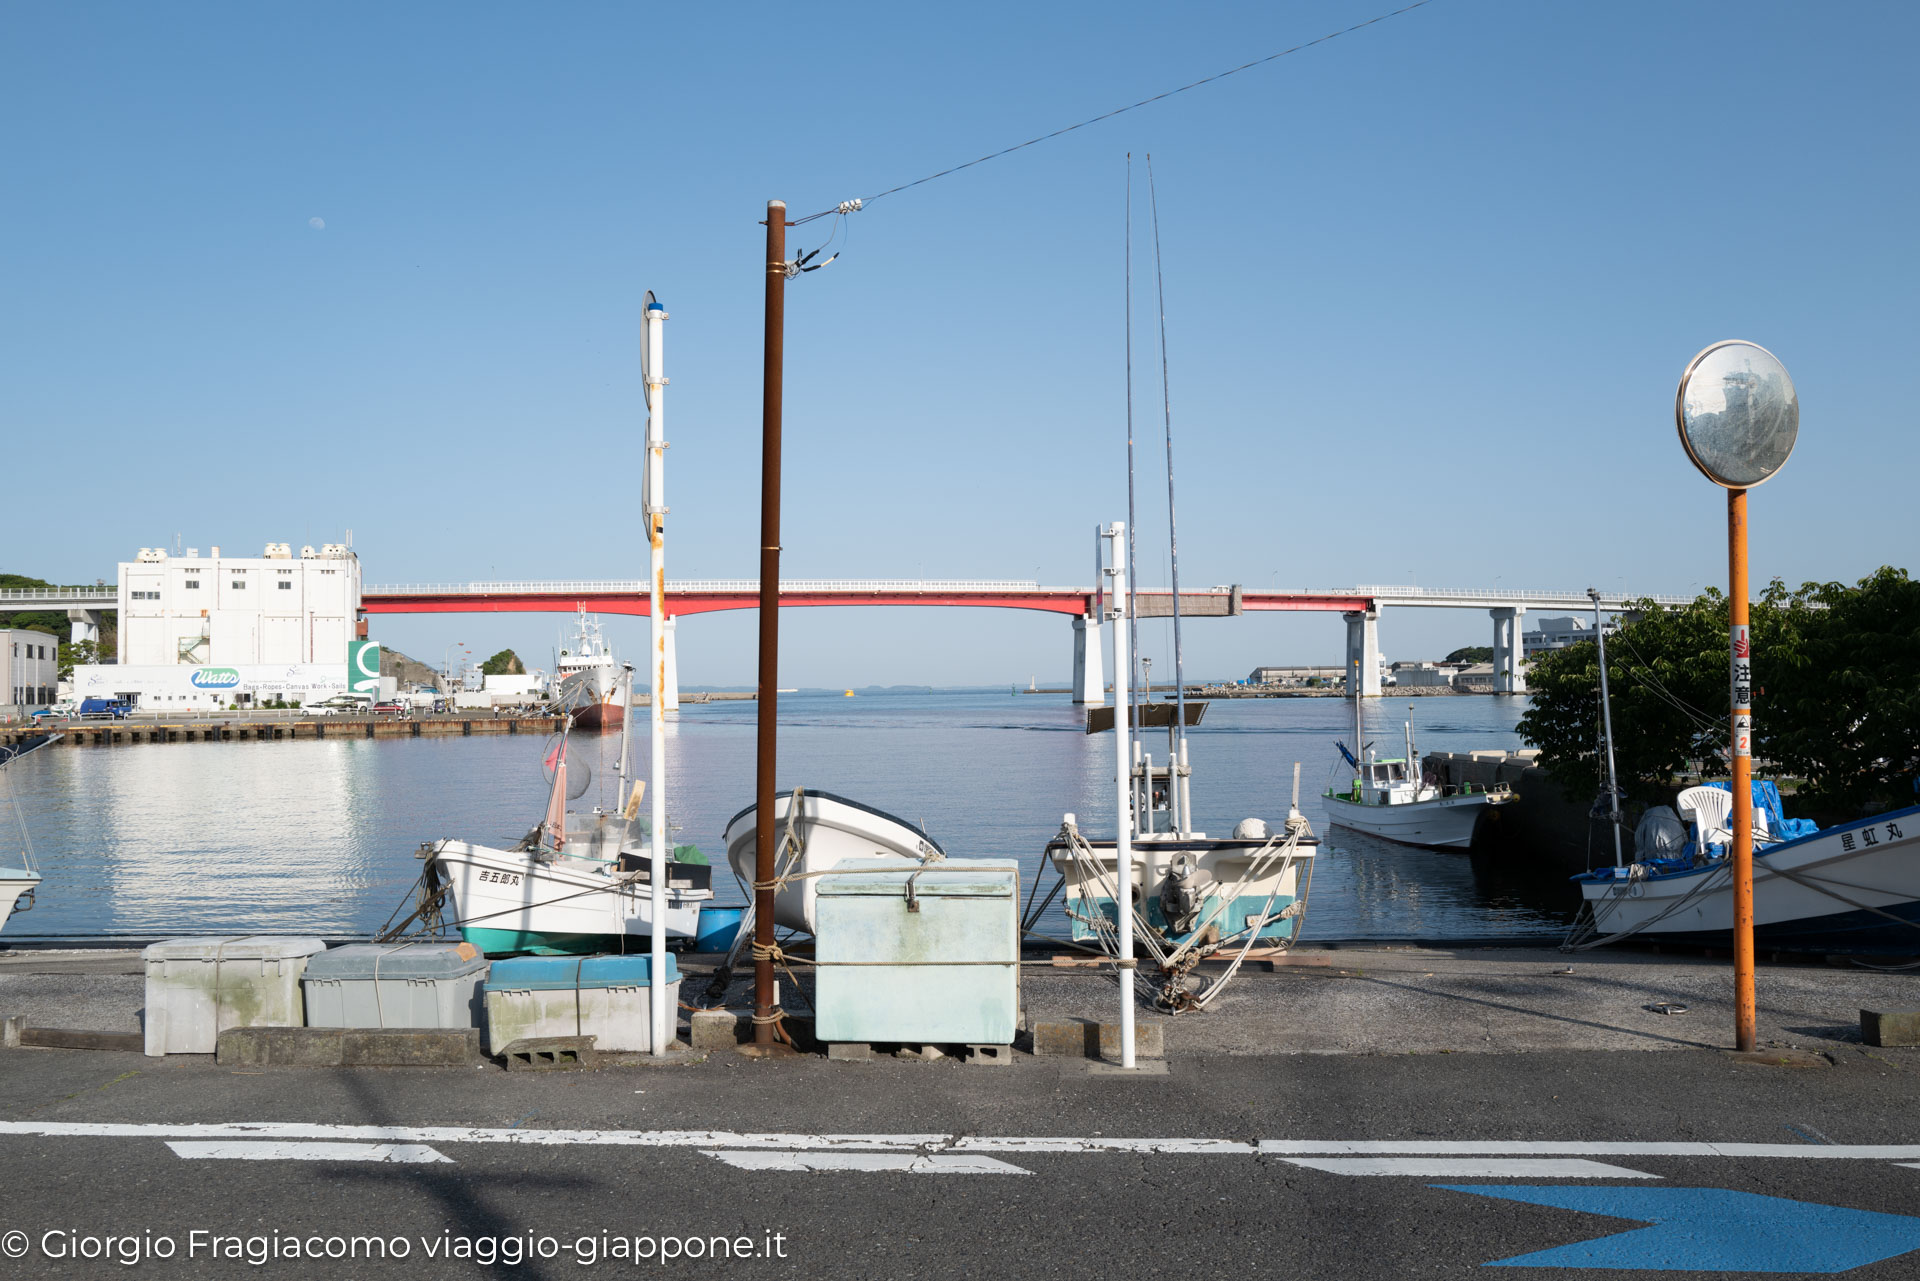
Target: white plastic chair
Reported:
[(1709, 808)]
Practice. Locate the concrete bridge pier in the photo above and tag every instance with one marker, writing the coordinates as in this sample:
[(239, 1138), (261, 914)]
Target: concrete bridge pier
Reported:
[(670, 696), (1363, 650), (86, 625), (1089, 686), (1508, 652)]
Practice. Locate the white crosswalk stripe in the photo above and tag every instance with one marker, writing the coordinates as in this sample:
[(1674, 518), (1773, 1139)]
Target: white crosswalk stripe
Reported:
[(400, 1153), (1428, 1167), (868, 1162)]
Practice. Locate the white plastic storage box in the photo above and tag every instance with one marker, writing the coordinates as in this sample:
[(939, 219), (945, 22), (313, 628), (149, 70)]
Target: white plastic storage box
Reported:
[(921, 953), (396, 985), (198, 988), (606, 997)]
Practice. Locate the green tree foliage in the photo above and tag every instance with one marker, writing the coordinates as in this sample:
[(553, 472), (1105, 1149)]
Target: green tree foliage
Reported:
[(505, 663), (1470, 654), (1836, 695), (1845, 714), (76, 653)]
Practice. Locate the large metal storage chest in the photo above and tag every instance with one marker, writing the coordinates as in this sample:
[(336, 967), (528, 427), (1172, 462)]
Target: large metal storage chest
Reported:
[(395, 985), (917, 952), (198, 988), (606, 997)]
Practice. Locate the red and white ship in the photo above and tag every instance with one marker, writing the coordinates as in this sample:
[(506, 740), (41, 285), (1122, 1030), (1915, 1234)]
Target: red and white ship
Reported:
[(590, 684)]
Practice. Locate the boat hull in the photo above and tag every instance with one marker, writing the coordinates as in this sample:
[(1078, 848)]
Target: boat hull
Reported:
[(1848, 877), (832, 829), (507, 901), (600, 716), (13, 887), (1443, 823), (1268, 904)]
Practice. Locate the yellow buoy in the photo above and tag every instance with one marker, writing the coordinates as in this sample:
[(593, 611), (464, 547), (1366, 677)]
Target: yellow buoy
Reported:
[(849, 693)]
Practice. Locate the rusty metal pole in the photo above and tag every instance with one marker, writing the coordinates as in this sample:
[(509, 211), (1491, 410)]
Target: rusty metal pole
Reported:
[(1741, 647), (769, 698)]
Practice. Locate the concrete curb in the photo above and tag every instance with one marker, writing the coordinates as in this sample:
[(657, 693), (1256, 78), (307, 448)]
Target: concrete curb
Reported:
[(347, 1047), (1086, 1038)]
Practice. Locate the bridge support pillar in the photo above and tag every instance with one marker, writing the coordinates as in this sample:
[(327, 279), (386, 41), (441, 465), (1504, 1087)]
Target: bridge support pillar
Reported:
[(1508, 651), (670, 697), (86, 625), (1363, 653), (1089, 686)]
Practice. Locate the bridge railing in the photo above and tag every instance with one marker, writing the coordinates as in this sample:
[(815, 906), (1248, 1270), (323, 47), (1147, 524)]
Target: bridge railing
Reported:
[(1557, 598), (640, 585), (63, 593)]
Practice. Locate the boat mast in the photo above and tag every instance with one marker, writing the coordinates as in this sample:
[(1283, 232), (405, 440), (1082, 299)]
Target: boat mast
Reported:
[(626, 722), (1133, 571), (1177, 767), (653, 372), (1606, 721)]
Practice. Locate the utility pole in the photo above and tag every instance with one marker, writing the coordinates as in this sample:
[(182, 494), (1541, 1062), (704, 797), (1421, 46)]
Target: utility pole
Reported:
[(764, 1021)]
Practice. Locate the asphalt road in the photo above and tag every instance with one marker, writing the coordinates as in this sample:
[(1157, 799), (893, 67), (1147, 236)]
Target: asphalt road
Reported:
[(1039, 1169)]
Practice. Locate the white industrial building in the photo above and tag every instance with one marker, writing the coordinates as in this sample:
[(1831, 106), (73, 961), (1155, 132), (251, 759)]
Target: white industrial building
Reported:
[(29, 667), (211, 631), (1561, 633)]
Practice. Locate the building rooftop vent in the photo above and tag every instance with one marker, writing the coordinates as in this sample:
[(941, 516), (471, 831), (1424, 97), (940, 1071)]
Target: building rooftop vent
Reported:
[(151, 555), (193, 553), (306, 553), (278, 551), (334, 550)]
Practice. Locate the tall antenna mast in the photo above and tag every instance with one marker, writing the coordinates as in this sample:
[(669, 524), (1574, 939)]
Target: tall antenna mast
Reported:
[(1175, 790)]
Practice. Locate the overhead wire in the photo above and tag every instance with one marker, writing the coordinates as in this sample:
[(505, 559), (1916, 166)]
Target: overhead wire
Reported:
[(850, 205)]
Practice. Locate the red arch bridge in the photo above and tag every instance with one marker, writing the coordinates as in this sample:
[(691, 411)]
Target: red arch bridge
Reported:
[(1361, 607)]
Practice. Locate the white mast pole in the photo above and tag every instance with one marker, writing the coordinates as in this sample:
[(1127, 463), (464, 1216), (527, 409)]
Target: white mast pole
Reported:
[(1606, 715), (653, 370), (1115, 535)]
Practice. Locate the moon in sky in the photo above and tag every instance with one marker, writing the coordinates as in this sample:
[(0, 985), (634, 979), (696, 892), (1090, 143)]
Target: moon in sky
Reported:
[(318, 224)]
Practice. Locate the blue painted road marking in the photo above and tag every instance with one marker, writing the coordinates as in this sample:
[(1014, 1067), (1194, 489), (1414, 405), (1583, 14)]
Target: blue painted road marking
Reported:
[(1711, 1230)]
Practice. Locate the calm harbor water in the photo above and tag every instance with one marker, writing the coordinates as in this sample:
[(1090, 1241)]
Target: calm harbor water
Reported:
[(319, 837)]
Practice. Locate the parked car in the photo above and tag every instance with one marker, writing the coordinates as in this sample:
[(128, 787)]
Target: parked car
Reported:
[(96, 709), (392, 707), (50, 713), (336, 705)]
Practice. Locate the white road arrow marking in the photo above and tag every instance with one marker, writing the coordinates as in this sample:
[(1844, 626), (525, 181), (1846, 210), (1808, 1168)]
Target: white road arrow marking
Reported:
[(402, 1153), (867, 1162), (1426, 1167)]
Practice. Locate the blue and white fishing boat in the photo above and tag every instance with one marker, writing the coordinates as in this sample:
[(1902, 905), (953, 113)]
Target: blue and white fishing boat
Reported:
[(1854, 888)]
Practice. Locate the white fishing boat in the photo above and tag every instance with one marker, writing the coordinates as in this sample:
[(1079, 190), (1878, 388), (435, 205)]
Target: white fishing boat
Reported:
[(19, 877), (1854, 888), (588, 677), (1390, 799), (825, 830), (578, 883)]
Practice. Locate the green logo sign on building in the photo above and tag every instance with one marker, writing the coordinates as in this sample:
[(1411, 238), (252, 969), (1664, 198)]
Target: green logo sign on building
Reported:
[(363, 667)]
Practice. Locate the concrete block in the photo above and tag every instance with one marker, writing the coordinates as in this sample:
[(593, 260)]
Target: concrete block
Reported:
[(410, 1047), (64, 1038), (279, 1047), (920, 1053), (714, 1030), (549, 1053), (1085, 1038), (850, 1051), (10, 1028), (990, 1055), (1890, 1027)]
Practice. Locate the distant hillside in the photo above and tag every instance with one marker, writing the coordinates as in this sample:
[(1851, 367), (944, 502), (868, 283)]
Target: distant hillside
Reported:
[(408, 671)]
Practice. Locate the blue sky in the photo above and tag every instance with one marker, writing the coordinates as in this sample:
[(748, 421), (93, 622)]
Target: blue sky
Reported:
[(1429, 288)]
